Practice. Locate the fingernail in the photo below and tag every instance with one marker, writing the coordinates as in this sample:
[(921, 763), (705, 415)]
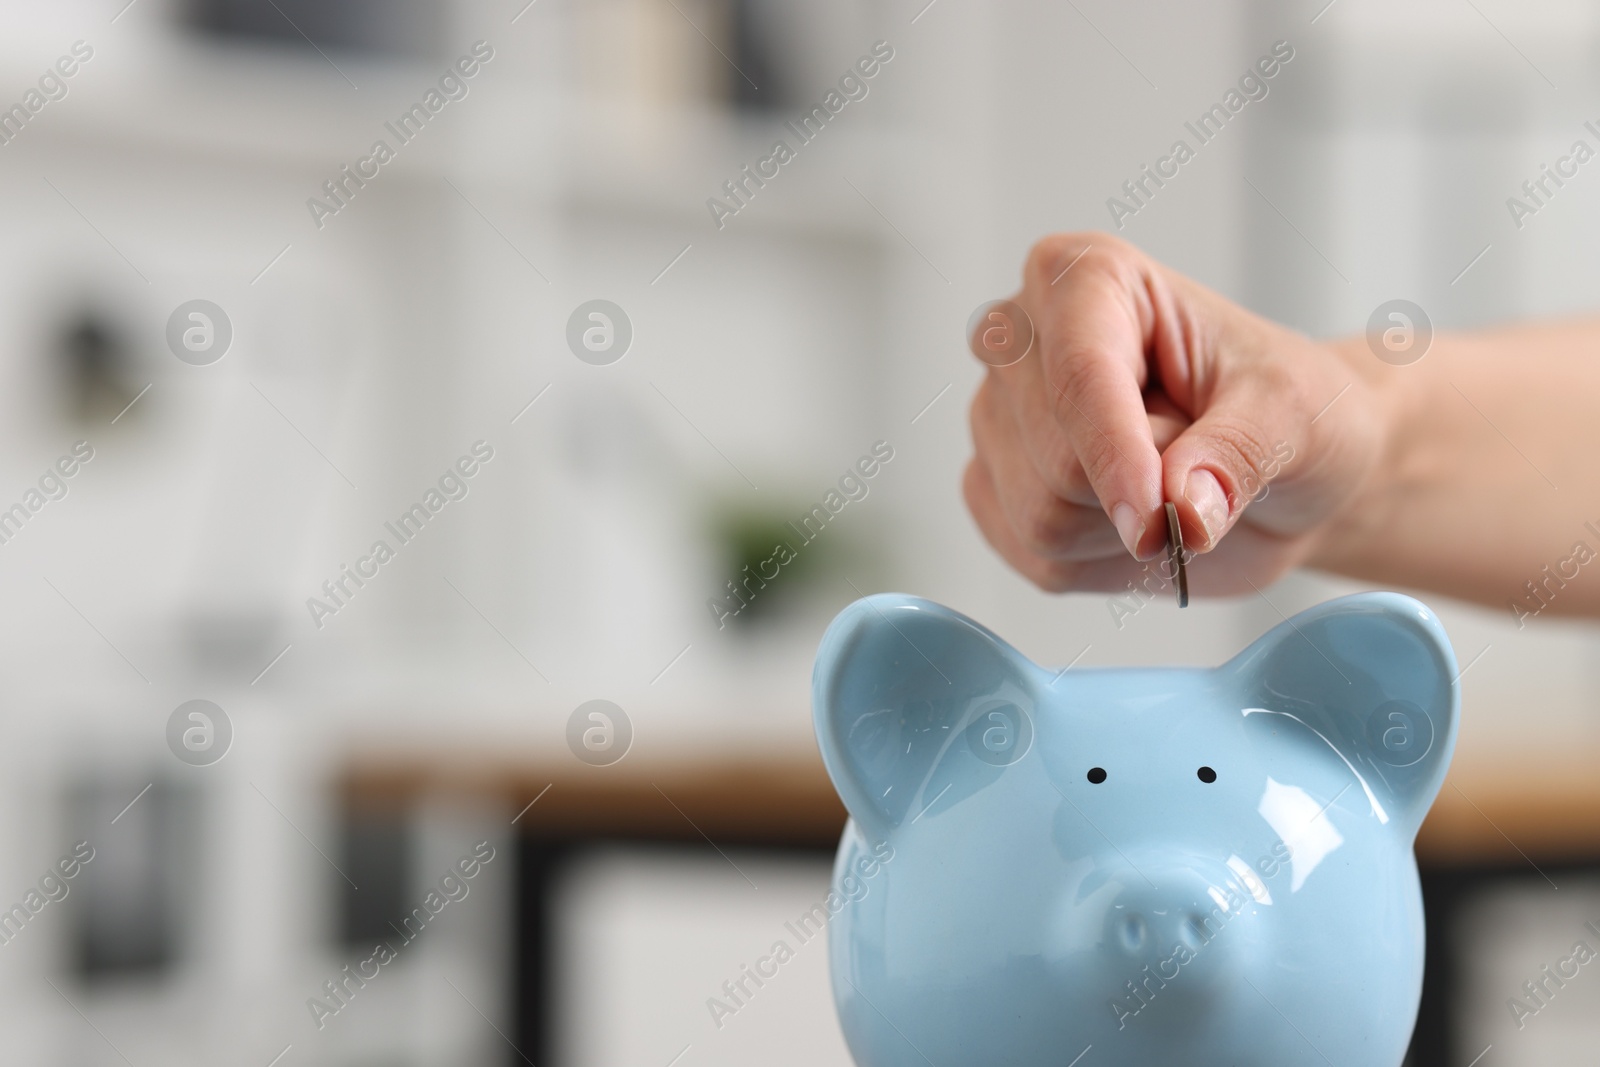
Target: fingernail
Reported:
[(1205, 495), (1129, 528)]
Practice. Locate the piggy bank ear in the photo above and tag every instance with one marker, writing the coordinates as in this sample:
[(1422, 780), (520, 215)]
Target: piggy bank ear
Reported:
[(1371, 677), (916, 704)]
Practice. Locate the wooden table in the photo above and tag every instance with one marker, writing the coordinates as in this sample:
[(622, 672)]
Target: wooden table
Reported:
[(1487, 814)]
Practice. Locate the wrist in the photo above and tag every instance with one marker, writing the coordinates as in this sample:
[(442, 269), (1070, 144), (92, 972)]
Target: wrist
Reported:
[(1379, 406)]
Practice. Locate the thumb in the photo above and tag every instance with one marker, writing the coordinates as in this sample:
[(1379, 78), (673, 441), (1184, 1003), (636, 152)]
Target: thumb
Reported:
[(1223, 461)]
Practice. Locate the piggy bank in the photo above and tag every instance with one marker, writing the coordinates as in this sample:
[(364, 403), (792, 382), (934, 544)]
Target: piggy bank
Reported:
[(1141, 867)]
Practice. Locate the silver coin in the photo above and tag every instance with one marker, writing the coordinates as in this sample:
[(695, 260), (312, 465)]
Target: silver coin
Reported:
[(1175, 555)]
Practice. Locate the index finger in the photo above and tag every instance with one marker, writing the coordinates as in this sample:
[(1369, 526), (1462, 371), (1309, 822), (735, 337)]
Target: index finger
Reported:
[(1096, 322)]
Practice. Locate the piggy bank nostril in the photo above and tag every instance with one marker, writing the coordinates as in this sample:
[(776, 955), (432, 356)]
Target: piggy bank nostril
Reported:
[(1131, 931), (1189, 931)]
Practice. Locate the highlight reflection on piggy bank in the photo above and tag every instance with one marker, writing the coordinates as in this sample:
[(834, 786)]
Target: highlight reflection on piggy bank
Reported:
[(1160, 866)]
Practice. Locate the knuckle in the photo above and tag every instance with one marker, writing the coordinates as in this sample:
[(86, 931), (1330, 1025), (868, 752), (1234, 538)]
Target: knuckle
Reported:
[(1054, 575), (1043, 525), (971, 490), (1279, 380), (1092, 252), (1110, 255), (1056, 578), (1052, 254)]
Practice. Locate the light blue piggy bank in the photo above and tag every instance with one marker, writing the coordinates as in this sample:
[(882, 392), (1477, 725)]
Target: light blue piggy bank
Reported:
[(1132, 867)]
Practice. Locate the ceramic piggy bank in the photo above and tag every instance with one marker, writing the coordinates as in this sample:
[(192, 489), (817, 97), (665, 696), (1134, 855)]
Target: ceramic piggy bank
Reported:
[(1132, 867)]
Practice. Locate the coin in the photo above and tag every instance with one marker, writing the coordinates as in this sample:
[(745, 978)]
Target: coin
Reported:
[(1175, 555)]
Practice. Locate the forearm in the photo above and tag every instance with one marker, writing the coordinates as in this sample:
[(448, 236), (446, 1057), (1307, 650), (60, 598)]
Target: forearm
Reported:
[(1489, 473)]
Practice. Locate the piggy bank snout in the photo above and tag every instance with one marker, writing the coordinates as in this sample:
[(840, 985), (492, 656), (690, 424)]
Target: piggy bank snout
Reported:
[(1138, 931), (1163, 909)]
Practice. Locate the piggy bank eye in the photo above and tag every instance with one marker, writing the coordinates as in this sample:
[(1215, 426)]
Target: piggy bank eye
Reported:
[(1097, 775), (1207, 775)]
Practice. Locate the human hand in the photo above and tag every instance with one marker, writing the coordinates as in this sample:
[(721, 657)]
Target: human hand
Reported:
[(1142, 386)]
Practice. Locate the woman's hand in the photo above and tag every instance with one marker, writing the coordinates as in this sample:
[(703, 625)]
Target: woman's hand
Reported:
[(1142, 387)]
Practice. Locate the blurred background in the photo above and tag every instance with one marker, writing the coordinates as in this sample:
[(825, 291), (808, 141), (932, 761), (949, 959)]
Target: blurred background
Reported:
[(428, 319)]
